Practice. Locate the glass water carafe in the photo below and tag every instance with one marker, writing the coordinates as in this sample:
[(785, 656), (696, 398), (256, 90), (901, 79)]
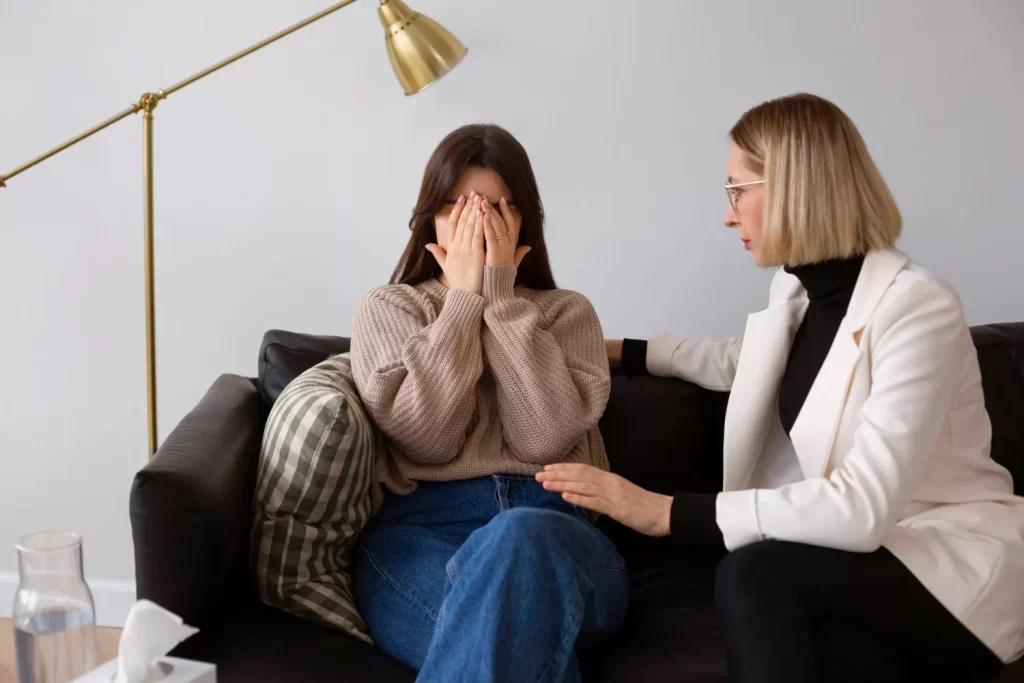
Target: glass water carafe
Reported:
[(54, 617)]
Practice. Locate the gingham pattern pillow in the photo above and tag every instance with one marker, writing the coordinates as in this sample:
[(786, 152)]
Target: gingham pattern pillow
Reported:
[(313, 496)]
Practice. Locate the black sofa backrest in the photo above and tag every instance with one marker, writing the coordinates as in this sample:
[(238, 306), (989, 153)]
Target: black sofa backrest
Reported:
[(666, 435), (1001, 356), (286, 355)]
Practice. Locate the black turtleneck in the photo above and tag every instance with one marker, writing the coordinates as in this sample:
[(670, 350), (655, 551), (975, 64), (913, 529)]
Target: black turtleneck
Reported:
[(829, 286)]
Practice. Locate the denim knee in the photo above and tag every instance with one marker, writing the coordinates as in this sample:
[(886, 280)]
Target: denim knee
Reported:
[(521, 537), (529, 526), (538, 532)]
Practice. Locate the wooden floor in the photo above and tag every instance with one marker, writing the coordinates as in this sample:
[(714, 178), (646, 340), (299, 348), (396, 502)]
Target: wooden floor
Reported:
[(108, 638)]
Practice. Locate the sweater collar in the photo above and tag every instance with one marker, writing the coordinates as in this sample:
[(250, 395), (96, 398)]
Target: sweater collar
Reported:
[(827, 279), (434, 287)]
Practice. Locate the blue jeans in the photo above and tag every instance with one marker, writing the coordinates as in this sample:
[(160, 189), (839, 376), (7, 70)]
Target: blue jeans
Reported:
[(488, 579)]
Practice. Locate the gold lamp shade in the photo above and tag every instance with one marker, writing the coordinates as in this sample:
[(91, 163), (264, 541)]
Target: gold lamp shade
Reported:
[(421, 50)]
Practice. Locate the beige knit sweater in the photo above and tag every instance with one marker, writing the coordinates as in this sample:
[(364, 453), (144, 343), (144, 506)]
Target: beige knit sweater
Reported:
[(467, 386)]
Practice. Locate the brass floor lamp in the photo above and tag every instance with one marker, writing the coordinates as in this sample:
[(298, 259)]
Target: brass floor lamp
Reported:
[(421, 52)]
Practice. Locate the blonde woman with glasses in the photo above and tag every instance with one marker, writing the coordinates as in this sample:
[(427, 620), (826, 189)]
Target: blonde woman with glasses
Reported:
[(871, 535)]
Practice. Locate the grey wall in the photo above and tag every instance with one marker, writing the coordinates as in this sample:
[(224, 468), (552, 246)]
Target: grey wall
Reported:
[(284, 184)]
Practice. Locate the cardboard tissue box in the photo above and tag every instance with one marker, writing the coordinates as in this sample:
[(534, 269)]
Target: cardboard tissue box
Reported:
[(168, 670), (150, 632)]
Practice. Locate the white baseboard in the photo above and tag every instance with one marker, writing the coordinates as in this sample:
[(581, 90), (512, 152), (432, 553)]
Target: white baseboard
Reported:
[(113, 597)]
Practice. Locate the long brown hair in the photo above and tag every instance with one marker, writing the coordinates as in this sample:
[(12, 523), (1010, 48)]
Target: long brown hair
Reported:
[(484, 146)]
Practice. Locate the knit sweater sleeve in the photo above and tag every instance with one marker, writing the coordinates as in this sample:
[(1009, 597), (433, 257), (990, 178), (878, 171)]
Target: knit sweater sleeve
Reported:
[(417, 376), (550, 368)]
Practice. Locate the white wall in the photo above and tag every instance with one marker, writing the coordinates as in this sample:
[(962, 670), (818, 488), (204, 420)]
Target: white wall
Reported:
[(284, 185)]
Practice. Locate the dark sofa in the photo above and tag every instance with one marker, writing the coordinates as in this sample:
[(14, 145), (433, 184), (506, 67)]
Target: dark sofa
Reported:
[(190, 513)]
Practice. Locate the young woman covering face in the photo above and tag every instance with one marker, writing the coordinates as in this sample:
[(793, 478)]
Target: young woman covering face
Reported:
[(480, 372)]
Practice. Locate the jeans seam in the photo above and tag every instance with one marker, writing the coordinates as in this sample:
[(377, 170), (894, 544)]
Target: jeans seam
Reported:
[(398, 587), (574, 622), (452, 573), (451, 570), (499, 493)]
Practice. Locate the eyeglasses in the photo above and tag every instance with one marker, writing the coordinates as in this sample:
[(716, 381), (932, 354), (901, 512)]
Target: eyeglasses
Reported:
[(734, 195)]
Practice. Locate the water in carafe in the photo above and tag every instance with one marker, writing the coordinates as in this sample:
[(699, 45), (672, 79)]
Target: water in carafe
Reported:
[(54, 617), (55, 646)]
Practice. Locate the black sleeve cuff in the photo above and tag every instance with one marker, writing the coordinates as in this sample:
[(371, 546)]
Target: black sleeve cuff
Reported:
[(694, 519), (634, 356)]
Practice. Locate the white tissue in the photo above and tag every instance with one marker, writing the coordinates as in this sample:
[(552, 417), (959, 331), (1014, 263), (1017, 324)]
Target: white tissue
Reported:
[(150, 632)]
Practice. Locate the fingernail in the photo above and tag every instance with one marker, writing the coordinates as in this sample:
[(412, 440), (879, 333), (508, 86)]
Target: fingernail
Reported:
[(476, 198), (462, 198), (503, 202)]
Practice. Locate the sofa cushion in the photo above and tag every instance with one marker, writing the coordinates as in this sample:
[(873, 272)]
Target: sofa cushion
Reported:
[(670, 634), (256, 643), (312, 496), (286, 355), (663, 434)]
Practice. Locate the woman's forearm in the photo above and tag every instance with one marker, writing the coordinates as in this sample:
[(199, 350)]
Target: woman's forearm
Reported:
[(627, 354), (693, 519), (551, 375), (418, 381)]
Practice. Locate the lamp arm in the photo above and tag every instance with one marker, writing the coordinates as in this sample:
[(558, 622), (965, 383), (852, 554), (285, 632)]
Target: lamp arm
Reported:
[(135, 108), (249, 50), (149, 101)]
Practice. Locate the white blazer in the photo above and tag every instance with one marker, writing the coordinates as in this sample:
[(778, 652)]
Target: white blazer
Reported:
[(892, 444)]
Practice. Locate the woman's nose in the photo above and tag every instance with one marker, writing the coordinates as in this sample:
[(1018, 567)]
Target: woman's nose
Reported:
[(731, 219)]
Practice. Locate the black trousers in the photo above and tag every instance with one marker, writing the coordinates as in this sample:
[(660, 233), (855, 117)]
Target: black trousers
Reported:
[(793, 613)]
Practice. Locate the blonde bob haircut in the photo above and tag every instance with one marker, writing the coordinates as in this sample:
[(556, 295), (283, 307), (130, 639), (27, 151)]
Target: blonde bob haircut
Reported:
[(824, 197)]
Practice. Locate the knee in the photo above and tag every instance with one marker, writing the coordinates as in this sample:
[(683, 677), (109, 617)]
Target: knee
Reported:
[(521, 537), (747, 575), (528, 528)]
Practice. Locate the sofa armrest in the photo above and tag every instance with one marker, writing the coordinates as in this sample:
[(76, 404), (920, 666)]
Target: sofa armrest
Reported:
[(190, 506)]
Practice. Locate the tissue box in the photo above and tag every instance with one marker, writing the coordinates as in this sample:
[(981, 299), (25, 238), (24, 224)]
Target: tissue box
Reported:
[(174, 671)]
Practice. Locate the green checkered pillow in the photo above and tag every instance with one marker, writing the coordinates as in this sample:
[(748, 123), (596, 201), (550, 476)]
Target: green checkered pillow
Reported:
[(313, 496)]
